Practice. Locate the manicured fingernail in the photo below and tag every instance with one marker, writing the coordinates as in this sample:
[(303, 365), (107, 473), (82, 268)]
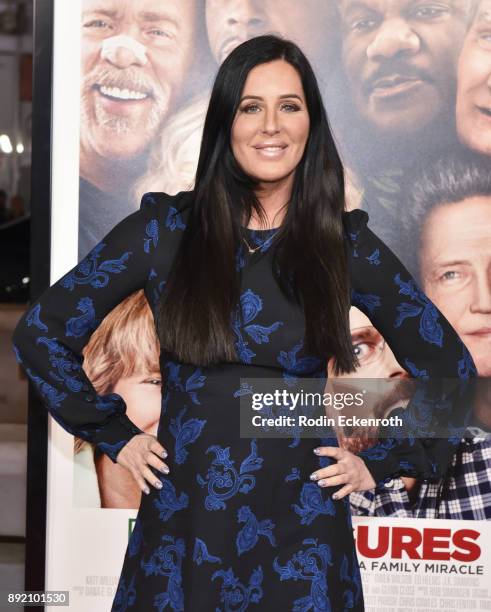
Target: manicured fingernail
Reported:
[(164, 454), (334, 496), (165, 469), (147, 490), (317, 451), (314, 476), (158, 484), (321, 483)]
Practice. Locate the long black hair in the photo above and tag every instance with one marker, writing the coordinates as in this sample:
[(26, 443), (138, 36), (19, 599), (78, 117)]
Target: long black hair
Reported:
[(309, 257)]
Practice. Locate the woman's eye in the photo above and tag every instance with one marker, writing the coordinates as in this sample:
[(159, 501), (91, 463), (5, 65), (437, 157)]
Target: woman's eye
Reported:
[(484, 39), (291, 107), (250, 108)]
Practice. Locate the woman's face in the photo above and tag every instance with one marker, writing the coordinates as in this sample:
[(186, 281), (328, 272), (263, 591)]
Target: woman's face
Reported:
[(272, 124), (141, 392), (474, 84)]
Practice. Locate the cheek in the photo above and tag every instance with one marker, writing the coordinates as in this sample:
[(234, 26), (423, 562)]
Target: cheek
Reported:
[(91, 52), (477, 75), (240, 136), (143, 406), (452, 303), (171, 70), (435, 294), (214, 26), (354, 57), (303, 132)]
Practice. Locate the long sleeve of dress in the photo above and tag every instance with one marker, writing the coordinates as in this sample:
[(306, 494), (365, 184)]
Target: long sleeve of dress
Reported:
[(422, 340), (49, 338)]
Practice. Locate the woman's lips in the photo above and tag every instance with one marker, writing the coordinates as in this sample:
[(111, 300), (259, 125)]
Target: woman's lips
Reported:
[(271, 151)]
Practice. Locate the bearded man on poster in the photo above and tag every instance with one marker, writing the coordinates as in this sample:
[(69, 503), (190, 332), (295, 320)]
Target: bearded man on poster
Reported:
[(136, 55)]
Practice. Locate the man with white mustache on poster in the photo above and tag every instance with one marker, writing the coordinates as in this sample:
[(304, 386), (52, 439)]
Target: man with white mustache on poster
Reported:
[(136, 55)]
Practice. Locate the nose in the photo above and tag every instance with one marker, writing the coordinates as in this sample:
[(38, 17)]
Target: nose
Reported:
[(271, 122), (394, 37), (122, 58), (481, 302), (389, 365), (123, 51), (246, 16)]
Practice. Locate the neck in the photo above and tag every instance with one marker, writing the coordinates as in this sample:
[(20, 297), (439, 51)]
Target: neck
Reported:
[(110, 175), (274, 198), (117, 486)]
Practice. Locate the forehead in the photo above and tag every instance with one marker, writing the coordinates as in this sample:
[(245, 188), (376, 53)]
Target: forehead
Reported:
[(357, 318), (277, 77), (385, 6), (136, 9), (483, 14), (459, 225)]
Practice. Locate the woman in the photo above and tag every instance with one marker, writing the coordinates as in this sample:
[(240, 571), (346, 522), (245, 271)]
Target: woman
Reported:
[(254, 268), (121, 357)]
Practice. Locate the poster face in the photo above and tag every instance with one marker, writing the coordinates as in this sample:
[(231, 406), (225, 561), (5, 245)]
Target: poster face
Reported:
[(406, 88)]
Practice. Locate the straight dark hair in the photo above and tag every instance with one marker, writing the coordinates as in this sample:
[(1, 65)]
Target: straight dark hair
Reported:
[(309, 257)]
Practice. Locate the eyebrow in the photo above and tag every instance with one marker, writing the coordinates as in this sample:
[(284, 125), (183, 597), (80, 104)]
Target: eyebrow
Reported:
[(353, 6), (153, 16), (144, 15), (438, 265), (106, 12), (364, 333), (454, 262), (280, 97)]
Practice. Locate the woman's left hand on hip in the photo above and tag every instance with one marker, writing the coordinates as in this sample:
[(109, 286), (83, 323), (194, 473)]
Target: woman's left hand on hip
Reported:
[(349, 470)]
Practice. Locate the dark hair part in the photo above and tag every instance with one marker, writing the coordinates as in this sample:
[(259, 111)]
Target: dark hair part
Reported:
[(309, 257), (449, 180)]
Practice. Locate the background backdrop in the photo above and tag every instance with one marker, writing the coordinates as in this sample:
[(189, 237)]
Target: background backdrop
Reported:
[(406, 86)]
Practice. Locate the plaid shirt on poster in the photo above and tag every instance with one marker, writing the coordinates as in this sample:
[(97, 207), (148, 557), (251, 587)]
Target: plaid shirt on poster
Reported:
[(465, 492)]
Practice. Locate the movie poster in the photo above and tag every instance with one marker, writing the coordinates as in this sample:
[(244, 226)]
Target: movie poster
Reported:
[(406, 87)]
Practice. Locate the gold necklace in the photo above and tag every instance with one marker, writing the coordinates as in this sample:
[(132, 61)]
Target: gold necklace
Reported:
[(251, 250)]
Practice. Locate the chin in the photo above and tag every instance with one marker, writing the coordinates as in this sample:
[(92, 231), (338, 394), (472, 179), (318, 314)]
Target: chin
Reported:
[(272, 177), (126, 151), (397, 126)]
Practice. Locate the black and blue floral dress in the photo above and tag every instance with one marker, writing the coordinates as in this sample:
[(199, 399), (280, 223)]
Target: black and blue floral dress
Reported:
[(238, 525)]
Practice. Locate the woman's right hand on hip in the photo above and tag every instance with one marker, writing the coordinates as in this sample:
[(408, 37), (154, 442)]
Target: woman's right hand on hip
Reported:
[(142, 451)]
